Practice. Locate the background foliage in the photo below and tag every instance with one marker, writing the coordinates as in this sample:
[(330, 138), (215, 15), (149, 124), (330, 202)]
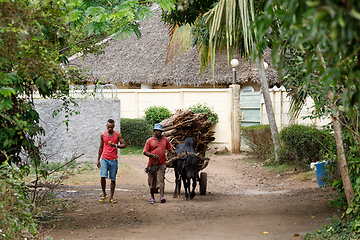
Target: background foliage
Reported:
[(28, 61), (258, 138), (156, 114), (16, 217), (135, 131), (36, 39), (318, 29), (203, 108), (301, 145)]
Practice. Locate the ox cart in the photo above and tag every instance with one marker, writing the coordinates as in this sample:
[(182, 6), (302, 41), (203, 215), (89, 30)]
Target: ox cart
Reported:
[(190, 133), (202, 164)]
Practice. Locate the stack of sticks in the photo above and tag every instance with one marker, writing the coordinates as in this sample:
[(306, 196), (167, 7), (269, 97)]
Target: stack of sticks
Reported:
[(185, 123)]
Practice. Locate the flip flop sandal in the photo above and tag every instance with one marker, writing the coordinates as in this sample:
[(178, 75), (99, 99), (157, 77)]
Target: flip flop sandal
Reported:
[(162, 200), (112, 201), (102, 199), (152, 200)]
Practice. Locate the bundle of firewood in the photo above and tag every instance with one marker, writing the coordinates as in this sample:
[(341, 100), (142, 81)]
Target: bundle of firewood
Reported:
[(185, 123)]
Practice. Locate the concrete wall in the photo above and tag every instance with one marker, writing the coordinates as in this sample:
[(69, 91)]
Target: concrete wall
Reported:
[(84, 129)]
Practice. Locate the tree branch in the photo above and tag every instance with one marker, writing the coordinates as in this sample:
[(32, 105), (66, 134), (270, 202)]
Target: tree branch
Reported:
[(77, 43)]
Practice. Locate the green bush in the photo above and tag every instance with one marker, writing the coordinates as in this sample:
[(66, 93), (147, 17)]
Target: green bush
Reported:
[(337, 229), (155, 114), (203, 108), (16, 217), (135, 131), (301, 145), (258, 138)]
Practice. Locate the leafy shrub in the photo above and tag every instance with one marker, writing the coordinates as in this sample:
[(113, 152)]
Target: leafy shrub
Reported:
[(336, 229), (135, 131), (203, 108), (155, 114), (258, 138), (301, 145), (15, 212)]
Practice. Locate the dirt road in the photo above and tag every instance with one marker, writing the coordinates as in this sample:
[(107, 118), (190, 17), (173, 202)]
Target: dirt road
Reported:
[(243, 201)]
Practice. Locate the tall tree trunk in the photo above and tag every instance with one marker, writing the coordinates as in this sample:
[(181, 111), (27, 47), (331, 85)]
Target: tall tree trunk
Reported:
[(268, 106), (344, 170), (348, 189)]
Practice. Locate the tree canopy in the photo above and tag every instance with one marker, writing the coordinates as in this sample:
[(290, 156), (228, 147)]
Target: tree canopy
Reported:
[(316, 44), (36, 39), (316, 29)]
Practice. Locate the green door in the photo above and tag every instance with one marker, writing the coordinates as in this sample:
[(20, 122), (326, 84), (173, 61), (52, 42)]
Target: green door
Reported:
[(249, 111)]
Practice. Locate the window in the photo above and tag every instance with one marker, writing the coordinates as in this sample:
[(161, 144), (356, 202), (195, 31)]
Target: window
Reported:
[(247, 89)]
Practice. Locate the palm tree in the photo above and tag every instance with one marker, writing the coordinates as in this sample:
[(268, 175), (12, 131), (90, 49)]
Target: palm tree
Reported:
[(229, 21)]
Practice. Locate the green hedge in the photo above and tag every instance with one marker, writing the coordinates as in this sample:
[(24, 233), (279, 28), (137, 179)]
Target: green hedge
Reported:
[(258, 138), (301, 145), (135, 131), (156, 114)]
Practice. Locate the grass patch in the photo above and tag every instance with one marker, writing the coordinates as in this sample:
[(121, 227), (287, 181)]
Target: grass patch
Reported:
[(274, 168), (279, 168), (132, 151), (298, 175), (253, 159), (305, 176)]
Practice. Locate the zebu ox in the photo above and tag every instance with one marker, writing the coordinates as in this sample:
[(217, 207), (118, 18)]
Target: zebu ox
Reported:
[(186, 168)]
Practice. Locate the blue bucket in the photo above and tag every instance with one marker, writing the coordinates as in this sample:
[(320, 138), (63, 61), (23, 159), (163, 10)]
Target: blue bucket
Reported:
[(320, 173)]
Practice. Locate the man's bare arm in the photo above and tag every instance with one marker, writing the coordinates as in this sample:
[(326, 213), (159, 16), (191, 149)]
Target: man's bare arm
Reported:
[(121, 140)]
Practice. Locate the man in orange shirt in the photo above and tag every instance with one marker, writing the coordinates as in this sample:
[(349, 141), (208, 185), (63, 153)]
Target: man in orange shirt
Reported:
[(155, 148)]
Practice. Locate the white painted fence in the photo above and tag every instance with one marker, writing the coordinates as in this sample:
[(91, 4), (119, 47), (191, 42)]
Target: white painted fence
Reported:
[(281, 106)]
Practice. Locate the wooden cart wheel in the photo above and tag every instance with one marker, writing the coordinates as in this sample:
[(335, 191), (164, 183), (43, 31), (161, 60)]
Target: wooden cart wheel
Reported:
[(203, 182)]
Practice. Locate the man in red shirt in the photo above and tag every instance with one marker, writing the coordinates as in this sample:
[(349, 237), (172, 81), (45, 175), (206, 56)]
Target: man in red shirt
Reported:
[(109, 143), (155, 148)]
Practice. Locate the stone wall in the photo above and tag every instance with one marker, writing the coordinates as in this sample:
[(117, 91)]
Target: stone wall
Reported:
[(84, 129)]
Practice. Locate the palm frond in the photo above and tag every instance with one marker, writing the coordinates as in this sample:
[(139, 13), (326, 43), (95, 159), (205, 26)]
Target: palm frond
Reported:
[(180, 41), (227, 21), (297, 102)]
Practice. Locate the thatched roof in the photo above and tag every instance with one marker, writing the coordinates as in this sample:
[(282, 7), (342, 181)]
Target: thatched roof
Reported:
[(143, 61)]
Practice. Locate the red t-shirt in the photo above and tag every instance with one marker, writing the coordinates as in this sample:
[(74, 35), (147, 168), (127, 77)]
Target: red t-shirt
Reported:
[(153, 146), (109, 152)]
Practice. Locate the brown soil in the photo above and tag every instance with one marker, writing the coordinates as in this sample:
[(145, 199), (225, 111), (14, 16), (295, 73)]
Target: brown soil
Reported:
[(243, 201)]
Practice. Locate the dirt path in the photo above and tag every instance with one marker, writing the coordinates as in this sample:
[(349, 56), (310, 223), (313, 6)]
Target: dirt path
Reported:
[(243, 201)]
